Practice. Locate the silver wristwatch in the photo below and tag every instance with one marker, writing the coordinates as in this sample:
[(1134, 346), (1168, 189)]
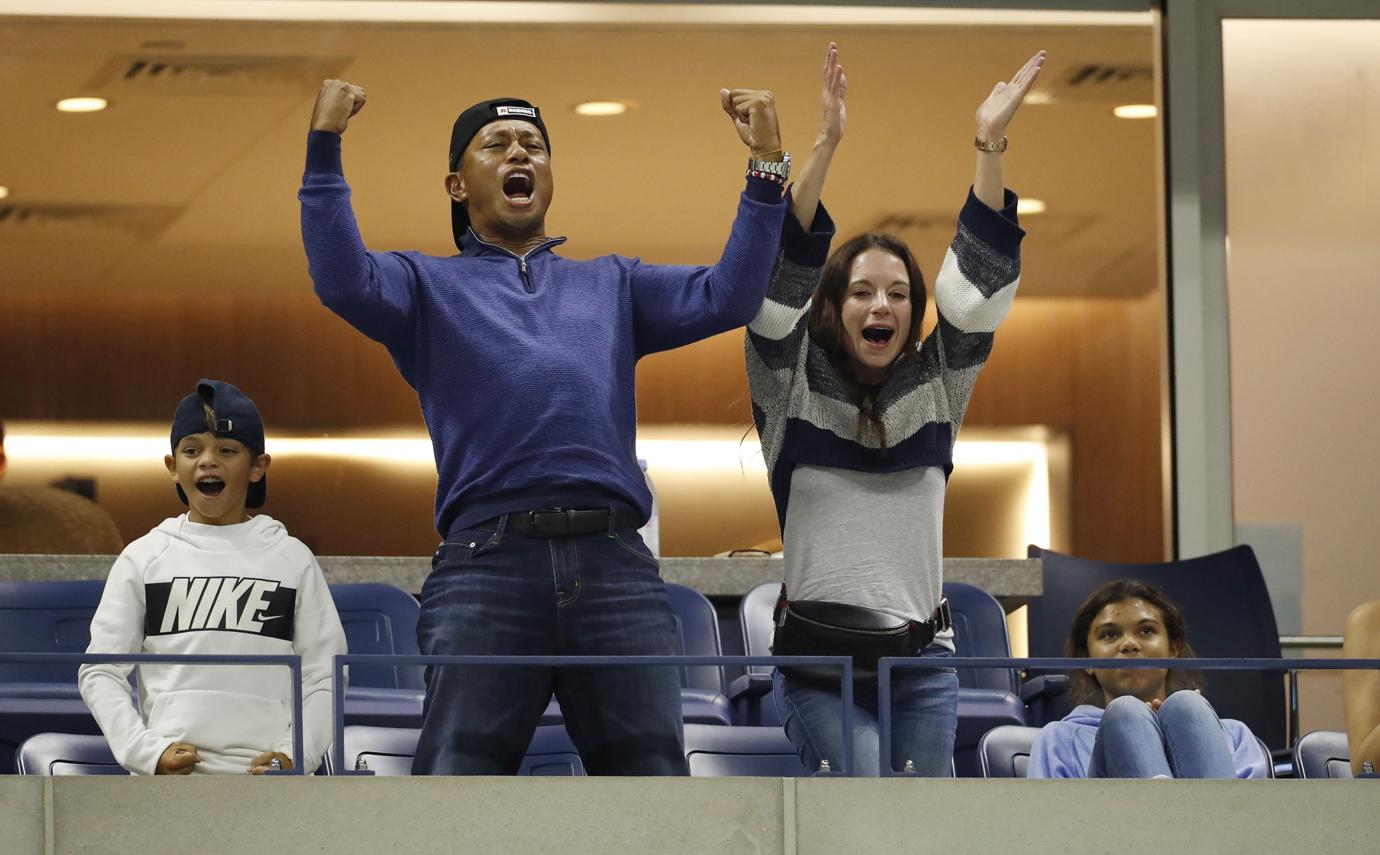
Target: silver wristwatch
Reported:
[(781, 168)]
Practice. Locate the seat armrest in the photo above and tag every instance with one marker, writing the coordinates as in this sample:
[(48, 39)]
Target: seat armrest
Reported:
[(749, 686), (1044, 687)]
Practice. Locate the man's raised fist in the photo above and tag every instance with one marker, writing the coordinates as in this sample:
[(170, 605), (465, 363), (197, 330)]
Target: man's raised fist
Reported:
[(336, 104)]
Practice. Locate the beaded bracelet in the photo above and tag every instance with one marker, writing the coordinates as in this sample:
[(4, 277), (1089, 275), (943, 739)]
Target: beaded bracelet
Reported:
[(769, 176)]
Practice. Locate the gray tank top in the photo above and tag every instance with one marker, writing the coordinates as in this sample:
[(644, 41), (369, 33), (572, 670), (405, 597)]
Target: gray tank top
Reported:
[(867, 539)]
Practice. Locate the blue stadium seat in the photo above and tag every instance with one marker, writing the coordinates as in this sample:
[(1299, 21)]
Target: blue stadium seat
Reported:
[(46, 617), (388, 751), (43, 617), (764, 752), (710, 750), (750, 694), (1225, 603), (702, 686), (987, 697), (49, 754), (1322, 754), (1005, 751), (381, 619)]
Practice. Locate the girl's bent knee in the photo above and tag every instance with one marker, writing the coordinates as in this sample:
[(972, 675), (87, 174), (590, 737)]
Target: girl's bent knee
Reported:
[(1185, 701), (1125, 707)]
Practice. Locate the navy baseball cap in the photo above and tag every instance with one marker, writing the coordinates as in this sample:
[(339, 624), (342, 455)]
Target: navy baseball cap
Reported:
[(236, 417), (467, 124)]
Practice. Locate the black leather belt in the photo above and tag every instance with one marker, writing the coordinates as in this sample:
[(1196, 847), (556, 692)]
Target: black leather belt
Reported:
[(560, 522)]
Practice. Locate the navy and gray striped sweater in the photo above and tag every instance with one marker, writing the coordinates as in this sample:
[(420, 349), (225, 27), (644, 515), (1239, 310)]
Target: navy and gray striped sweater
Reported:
[(800, 404)]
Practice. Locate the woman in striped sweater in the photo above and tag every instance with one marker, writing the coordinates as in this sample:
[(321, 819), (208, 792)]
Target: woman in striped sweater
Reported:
[(857, 416)]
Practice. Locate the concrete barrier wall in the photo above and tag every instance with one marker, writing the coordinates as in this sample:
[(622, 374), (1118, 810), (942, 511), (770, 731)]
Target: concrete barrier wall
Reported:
[(610, 816)]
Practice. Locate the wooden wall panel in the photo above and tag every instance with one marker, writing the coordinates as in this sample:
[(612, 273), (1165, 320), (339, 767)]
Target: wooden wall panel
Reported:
[(1089, 366), (133, 358)]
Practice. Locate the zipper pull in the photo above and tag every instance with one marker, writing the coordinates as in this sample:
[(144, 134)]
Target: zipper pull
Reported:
[(526, 276)]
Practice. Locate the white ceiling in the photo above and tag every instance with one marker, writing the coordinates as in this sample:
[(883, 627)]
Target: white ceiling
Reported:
[(200, 180)]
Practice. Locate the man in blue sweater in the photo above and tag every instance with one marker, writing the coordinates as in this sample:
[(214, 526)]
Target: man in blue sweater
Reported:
[(523, 362)]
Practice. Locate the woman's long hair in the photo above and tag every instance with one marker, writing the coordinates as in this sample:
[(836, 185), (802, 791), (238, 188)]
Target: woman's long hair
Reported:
[(826, 320), (1083, 687)]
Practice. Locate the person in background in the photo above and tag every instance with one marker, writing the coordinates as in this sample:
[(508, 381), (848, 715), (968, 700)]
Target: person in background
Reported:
[(44, 520), (858, 416), (1362, 688), (1139, 723), (215, 580)]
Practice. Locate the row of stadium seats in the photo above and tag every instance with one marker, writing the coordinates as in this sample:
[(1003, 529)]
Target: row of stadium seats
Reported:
[(1223, 597), (54, 617), (711, 751)]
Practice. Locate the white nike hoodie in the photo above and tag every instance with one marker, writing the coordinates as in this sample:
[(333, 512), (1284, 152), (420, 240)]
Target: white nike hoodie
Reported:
[(203, 589)]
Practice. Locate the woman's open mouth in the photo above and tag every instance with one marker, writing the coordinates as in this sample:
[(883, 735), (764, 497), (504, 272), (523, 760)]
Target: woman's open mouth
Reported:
[(210, 487), (517, 187), (878, 337)]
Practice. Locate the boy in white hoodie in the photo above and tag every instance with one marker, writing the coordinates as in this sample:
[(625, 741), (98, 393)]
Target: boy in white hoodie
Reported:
[(214, 581)]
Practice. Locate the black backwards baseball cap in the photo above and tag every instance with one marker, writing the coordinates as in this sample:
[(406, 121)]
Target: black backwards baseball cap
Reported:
[(467, 125), (236, 418)]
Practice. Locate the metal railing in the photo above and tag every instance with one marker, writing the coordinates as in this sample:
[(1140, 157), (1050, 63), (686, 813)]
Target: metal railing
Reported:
[(291, 661), (1311, 642), (1303, 642), (843, 663)]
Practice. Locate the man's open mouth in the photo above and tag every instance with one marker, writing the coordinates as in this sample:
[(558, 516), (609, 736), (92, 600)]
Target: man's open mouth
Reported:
[(210, 487), (518, 187), (878, 336)]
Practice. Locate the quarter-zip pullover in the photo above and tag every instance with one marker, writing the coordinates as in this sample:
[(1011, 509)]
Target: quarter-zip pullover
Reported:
[(524, 365)]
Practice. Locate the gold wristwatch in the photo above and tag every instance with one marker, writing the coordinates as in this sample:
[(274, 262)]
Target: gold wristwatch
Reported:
[(991, 146)]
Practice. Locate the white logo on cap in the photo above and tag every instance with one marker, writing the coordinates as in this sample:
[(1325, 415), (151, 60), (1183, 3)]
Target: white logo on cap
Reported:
[(505, 110)]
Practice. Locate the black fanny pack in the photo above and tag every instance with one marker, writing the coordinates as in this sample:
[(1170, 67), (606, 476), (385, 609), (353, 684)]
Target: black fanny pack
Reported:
[(823, 628)]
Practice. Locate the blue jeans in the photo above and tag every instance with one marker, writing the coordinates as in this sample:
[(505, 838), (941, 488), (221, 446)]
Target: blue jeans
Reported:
[(924, 716), (491, 593), (1184, 739)]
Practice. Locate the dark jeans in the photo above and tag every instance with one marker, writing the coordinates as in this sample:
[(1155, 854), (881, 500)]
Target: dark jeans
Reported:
[(491, 593), (924, 718)]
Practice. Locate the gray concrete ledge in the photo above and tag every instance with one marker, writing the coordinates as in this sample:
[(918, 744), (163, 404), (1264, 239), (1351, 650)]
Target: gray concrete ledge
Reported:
[(611, 816), (1014, 581)]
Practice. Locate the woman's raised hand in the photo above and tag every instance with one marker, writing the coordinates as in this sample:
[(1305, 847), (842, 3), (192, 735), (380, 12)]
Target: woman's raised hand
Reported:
[(996, 112), (833, 117)]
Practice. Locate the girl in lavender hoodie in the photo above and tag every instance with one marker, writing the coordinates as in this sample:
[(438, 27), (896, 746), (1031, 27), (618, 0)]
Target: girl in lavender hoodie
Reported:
[(1139, 723)]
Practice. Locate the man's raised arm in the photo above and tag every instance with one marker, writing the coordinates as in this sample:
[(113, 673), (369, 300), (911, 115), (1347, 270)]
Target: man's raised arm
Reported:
[(678, 305), (373, 292)]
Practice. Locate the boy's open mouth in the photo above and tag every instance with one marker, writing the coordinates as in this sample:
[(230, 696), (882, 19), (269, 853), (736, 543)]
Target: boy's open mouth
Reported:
[(518, 187), (210, 487), (878, 336)]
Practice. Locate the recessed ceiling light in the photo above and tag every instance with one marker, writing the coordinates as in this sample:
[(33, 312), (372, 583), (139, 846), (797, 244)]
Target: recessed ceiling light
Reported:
[(4, 191), (1038, 97), (1136, 111), (1030, 206), (603, 108), (82, 105)]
